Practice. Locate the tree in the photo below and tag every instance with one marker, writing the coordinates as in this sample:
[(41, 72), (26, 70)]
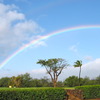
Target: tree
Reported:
[(85, 81), (98, 80), (16, 81), (53, 67), (26, 80), (45, 82), (60, 84), (23, 80), (71, 81), (4, 82), (78, 63), (35, 83)]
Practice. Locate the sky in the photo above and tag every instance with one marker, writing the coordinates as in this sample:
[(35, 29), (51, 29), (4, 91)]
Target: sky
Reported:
[(24, 21)]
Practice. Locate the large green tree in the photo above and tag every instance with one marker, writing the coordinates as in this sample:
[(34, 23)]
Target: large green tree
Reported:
[(15, 81), (26, 80), (4, 82), (78, 63), (71, 81), (23, 80), (54, 68), (85, 81)]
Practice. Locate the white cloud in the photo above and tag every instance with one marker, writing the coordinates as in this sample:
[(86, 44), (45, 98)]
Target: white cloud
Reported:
[(41, 17), (92, 68), (39, 71), (15, 29), (88, 58), (41, 43), (73, 48)]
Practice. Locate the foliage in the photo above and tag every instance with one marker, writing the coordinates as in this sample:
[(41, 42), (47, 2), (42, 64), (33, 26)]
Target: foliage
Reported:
[(45, 82), (4, 82), (71, 81), (78, 63), (95, 81), (85, 81), (15, 81), (90, 91), (25, 80), (54, 68), (60, 84), (36, 83), (98, 79), (32, 94)]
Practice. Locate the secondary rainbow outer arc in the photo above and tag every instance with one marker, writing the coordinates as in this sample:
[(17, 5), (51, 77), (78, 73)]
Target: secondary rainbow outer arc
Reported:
[(45, 37)]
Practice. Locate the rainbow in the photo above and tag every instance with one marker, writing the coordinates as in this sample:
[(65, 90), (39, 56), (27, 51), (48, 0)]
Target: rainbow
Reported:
[(33, 42)]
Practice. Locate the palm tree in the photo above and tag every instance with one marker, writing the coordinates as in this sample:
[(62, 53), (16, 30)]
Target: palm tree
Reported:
[(78, 63)]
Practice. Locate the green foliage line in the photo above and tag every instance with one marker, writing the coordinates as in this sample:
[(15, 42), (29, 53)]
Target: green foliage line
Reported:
[(25, 80), (90, 91), (32, 94)]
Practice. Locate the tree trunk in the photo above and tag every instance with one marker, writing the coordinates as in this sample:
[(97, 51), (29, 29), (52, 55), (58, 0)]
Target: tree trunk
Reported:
[(80, 76), (55, 83)]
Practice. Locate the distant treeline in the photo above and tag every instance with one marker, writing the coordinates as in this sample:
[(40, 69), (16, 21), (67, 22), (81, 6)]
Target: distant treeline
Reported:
[(25, 80)]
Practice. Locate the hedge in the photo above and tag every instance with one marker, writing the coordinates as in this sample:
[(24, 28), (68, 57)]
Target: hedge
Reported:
[(32, 94), (90, 91)]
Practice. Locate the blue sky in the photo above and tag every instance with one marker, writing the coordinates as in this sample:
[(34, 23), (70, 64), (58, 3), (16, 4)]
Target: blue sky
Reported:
[(25, 20)]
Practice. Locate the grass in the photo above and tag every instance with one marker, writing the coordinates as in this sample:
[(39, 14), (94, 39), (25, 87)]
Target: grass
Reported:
[(35, 87), (69, 87)]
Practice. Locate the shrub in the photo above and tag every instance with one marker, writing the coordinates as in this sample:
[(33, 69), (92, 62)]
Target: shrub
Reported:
[(90, 91), (32, 94)]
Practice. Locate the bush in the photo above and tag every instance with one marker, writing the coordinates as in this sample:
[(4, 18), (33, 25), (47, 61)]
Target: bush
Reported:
[(32, 94), (90, 91)]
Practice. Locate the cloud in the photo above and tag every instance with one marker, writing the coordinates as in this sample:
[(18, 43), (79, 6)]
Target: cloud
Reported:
[(41, 16), (15, 29), (73, 48), (41, 43), (92, 68), (39, 71), (88, 58)]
